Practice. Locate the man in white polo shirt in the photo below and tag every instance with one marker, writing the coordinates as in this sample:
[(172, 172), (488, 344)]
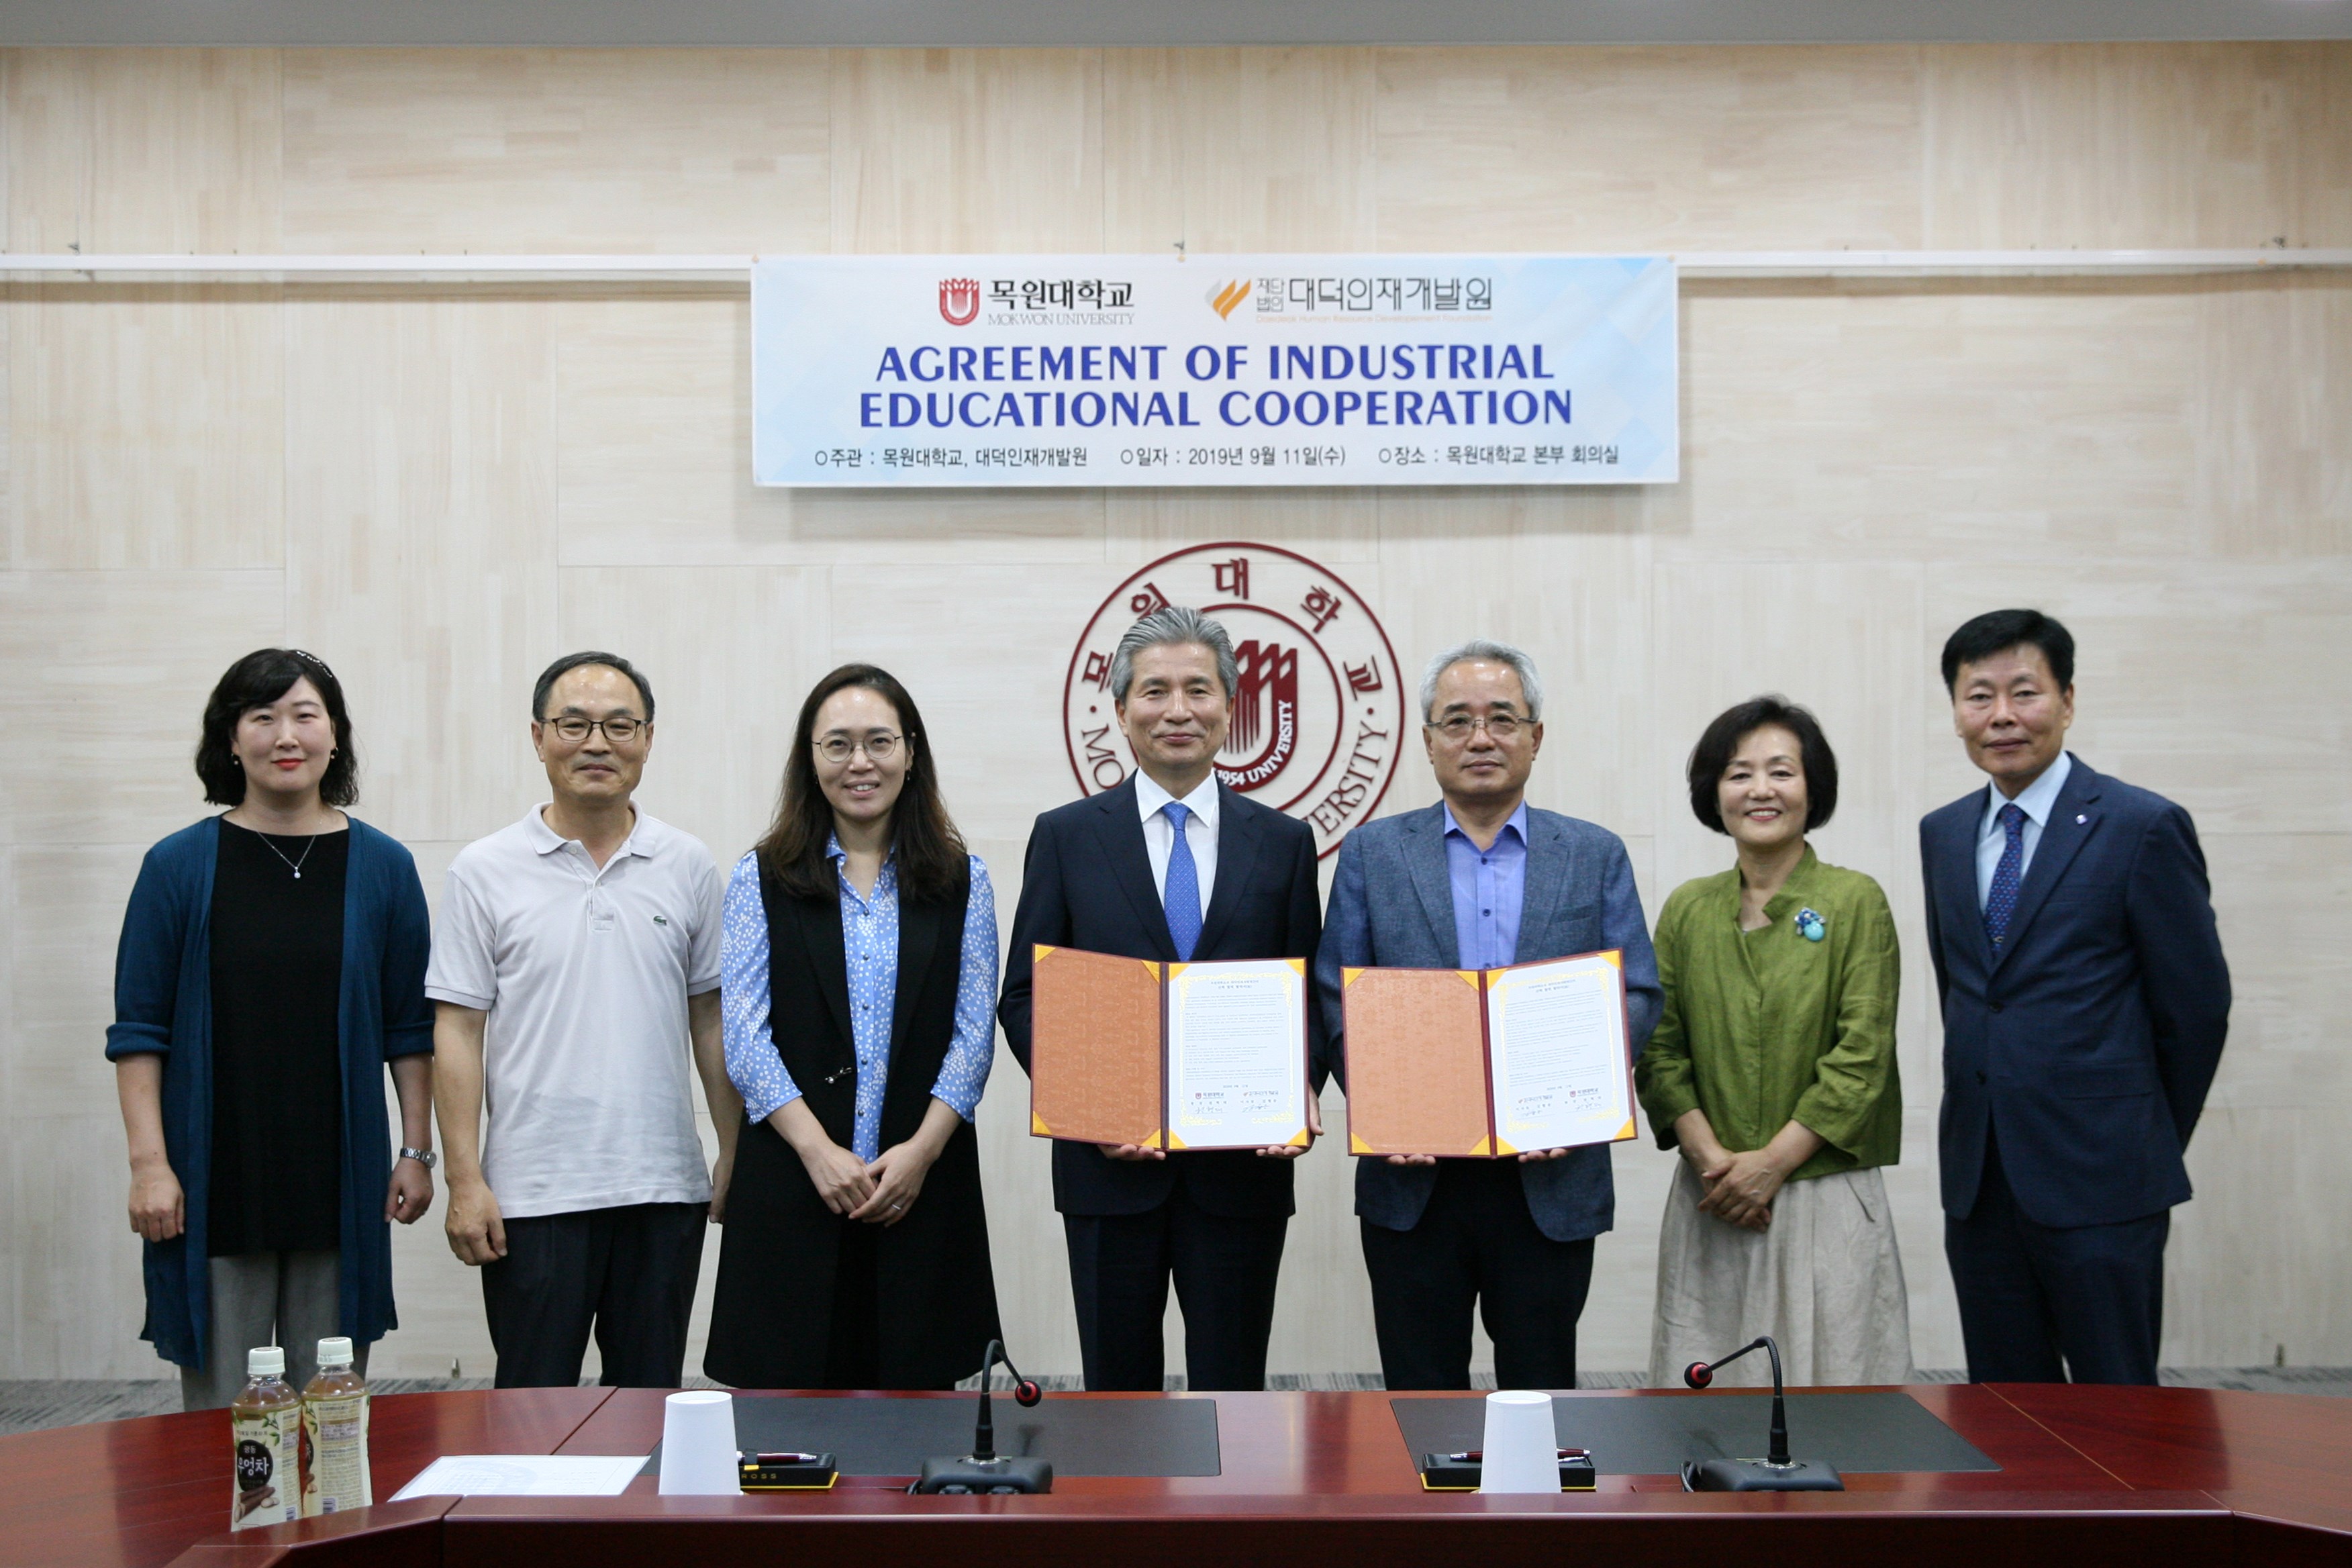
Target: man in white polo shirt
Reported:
[(574, 963)]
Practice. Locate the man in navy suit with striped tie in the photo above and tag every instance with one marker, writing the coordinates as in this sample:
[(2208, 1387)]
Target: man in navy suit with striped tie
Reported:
[(2085, 1001), (1172, 866)]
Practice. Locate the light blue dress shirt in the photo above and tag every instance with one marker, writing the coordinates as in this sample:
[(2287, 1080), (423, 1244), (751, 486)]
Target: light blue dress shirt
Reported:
[(869, 933), (1489, 890), (2036, 800)]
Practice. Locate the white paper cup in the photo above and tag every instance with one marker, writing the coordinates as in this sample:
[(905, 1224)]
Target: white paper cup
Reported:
[(699, 1450), (1522, 1450)]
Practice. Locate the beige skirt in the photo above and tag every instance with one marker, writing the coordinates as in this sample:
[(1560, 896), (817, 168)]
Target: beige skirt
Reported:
[(1825, 1281)]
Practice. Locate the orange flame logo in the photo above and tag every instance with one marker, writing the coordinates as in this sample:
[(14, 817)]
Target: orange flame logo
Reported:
[(1224, 300)]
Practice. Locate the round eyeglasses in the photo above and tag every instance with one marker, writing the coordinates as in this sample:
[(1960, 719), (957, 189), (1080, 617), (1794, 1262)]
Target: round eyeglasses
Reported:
[(878, 747)]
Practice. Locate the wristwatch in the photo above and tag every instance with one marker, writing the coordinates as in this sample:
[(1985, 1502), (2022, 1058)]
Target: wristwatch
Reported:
[(425, 1157)]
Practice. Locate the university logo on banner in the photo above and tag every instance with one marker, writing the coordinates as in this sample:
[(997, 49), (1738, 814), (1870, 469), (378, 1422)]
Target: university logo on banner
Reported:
[(959, 300), (1319, 707), (1388, 369)]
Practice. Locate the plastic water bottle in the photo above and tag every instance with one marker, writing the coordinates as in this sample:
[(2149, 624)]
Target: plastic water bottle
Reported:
[(265, 1422), (335, 1434)]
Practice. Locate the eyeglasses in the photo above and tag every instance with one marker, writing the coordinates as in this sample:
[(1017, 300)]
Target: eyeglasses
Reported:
[(1501, 727), (573, 729), (878, 747)]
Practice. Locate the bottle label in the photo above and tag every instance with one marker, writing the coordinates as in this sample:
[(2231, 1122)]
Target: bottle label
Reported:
[(335, 1453), (265, 1444)]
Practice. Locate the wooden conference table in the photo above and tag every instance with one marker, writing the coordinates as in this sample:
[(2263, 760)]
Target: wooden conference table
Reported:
[(1310, 1480)]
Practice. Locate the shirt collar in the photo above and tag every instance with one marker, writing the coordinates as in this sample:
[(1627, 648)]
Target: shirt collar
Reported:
[(886, 882), (1516, 823), (545, 840), (834, 851), (1150, 798), (2036, 799), (1792, 891)]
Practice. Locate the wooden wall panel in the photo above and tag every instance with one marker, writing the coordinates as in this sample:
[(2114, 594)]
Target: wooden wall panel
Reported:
[(655, 464), (149, 427), (957, 150), (2119, 144), (2051, 417), (1242, 149), (2214, 685), (1453, 567), (437, 491), (555, 149), (119, 462), (142, 150), (76, 1290), (110, 669), (2271, 418), (421, 459), (764, 633), (1649, 148)]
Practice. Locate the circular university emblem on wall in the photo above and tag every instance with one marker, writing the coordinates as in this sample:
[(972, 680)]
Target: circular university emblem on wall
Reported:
[(1320, 709)]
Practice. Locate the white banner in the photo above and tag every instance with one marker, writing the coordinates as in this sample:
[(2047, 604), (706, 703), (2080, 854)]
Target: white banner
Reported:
[(1236, 369)]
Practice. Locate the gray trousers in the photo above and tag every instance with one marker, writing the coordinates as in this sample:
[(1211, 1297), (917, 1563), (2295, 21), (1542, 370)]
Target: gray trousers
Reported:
[(290, 1299)]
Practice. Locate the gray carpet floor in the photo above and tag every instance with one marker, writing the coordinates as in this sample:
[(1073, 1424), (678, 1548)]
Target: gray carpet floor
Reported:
[(31, 1406)]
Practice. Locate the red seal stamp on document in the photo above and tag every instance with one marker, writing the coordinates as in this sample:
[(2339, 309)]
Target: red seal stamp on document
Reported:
[(1320, 706)]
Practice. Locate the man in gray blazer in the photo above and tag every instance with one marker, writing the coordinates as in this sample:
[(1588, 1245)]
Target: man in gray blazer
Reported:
[(1480, 882)]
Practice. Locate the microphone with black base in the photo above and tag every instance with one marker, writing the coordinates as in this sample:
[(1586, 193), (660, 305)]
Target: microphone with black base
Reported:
[(984, 1469), (1776, 1472)]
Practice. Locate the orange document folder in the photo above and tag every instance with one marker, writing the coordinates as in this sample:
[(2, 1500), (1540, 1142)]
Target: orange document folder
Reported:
[(1167, 1056), (1488, 1063)]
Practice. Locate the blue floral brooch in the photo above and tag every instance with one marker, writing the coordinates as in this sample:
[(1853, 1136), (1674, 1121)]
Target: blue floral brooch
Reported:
[(1811, 926)]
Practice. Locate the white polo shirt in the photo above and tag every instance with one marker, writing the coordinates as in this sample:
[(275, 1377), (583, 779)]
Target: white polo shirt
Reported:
[(586, 1061)]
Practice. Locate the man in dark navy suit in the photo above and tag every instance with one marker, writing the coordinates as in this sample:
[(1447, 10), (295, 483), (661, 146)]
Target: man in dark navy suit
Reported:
[(2085, 1001), (1170, 866)]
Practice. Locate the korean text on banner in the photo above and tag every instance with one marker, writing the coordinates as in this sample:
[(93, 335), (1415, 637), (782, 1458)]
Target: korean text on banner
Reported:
[(1240, 370)]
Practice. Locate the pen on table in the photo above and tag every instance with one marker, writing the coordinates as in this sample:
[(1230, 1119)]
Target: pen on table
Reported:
[(1479, 1455), (783, 1459)]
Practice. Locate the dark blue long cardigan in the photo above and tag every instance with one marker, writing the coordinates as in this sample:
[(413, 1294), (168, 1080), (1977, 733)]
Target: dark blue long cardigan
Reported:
[(163, 1004)]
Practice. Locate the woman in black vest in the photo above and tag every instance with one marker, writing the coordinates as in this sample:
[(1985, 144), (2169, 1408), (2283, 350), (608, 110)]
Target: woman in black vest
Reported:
[(860, 978)]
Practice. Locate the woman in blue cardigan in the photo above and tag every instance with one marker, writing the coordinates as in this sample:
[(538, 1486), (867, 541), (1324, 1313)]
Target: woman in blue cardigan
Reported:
[(272, 960)]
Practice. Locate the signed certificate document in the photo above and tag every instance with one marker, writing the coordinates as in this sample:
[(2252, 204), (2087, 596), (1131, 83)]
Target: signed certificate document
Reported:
[(1236, 1054), (1167, 1056), (1556, 1034), (1492, 1063)]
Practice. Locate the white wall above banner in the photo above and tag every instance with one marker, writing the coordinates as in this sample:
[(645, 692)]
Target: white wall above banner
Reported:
[(1232, 370)]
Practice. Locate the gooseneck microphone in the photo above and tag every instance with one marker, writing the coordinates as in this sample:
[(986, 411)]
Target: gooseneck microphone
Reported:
[(1024, 1393), (1700, 1373), (984, 1469), (1776, 1472)]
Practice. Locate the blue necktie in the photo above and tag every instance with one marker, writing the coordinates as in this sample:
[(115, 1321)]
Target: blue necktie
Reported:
[(2000, 901), (1183, 897)]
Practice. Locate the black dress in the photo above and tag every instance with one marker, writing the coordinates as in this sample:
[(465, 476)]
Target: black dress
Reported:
[(278, 1065), (806, 1299)]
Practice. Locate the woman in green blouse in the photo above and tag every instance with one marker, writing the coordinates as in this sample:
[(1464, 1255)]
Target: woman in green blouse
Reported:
[(1772, 1069)]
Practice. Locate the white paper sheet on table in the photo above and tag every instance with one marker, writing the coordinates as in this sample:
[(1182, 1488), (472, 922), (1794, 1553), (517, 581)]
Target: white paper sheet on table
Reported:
[(525, 1475)]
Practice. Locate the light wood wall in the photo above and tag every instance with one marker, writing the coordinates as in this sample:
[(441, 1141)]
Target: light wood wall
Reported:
[(437, 491)]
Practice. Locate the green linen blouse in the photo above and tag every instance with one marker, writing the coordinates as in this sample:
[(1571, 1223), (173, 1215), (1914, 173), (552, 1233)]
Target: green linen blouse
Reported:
[(1766, 1026)]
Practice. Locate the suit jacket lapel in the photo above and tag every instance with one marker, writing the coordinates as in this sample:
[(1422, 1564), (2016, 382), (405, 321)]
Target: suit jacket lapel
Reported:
[(1955, 879), (1550, 875), (1432, 879), (1237, 846), (1120, 831), (2072, 820)]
